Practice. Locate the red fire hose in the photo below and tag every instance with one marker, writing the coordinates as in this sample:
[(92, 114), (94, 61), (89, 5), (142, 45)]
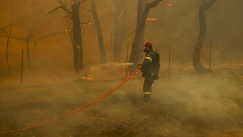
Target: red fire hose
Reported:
[(70, 113)]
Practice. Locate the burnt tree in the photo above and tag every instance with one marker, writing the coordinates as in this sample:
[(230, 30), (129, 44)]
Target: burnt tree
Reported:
[(8, 36), (120, 28), (28, 38), (136, 44), (99, 32), (199, 68), (77, 41), (76, 37)]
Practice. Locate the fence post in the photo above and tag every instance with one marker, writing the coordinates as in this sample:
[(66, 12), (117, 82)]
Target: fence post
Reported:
[(22, 64), (210, 55), (127, 60), (169, 57), (112, 35), (78, 60)]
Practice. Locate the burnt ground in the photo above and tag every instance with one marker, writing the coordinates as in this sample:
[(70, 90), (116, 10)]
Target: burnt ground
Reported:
[(184, 104)]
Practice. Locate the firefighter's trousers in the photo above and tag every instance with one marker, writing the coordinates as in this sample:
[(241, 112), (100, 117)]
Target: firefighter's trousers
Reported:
[(147, 87)]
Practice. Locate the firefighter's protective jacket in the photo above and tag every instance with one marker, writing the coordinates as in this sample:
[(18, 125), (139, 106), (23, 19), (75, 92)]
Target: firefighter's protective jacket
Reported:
[(148, 64)]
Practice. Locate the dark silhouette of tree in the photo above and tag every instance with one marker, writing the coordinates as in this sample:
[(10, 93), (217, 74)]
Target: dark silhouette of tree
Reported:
[(120, 16), (76, 32), (8, 35), (76, 39), (139, 33), (28, 38), (199, 68), (120, 28), (8, 32), (27, 46), (99, 31), (120, 24), (27, 41)]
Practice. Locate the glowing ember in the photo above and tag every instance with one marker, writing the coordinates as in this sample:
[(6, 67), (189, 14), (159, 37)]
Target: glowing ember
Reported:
[(186, 69), (90, 79), (72, 2), (166, 4), (169, 5), (151, 19), (87, 78), (133, 14), (121, 14), (86, 23), (68, 30)]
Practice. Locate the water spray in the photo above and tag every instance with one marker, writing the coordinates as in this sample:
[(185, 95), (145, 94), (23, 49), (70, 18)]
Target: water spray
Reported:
[(126, 64)]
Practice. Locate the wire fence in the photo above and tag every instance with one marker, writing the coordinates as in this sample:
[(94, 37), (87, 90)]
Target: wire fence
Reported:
[(173, 57)]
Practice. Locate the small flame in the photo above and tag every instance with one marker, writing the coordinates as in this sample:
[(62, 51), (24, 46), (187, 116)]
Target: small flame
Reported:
[(186, 69), (88, 78), (71, 2), (151, 19), (68, 30), (168, 5)]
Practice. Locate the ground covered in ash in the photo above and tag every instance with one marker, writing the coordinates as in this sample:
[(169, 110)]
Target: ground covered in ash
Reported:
[(184, 104)]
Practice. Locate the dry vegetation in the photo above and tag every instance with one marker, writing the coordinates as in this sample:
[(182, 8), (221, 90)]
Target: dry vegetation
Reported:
[(184, 104)]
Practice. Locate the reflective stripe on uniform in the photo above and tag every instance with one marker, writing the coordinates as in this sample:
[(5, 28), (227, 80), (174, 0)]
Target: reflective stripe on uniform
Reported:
[(149, 58), (147, 93)]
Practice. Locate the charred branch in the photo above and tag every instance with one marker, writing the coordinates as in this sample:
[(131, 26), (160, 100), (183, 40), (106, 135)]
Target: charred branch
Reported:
[(14, 38), (60, 7), (86, 9), (209, 4), (47, 36)]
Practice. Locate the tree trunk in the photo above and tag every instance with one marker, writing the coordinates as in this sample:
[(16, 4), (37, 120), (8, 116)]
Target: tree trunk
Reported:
[(120, 26), (135, 54), (142, 5), (77, 41), (99, 32), (197, 50)]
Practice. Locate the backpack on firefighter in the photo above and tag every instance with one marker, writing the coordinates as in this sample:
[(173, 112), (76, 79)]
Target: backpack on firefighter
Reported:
[(157, 64)]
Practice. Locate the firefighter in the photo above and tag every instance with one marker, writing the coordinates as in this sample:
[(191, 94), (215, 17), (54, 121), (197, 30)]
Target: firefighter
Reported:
[(148, 71)]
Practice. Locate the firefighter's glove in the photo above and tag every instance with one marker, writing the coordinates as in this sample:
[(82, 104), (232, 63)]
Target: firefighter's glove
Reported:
[(139, 67)]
